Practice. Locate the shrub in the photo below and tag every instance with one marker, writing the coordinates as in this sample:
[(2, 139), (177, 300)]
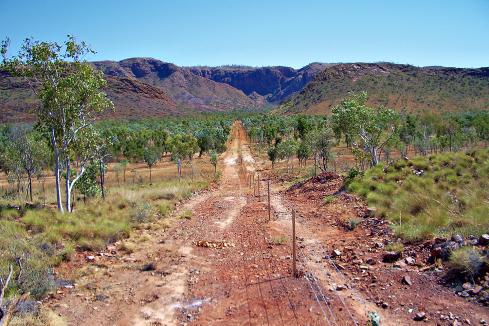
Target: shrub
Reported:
[(467, 261), (395, 246), (352, 223), (280, 240), (142, 213), (186, 214), (328, 199)]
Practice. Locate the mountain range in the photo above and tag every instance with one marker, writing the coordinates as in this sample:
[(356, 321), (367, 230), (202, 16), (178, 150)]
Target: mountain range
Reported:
[(146, 87)]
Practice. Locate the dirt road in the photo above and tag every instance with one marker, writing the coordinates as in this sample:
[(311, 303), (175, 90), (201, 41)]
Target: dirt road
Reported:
[(225, 265)]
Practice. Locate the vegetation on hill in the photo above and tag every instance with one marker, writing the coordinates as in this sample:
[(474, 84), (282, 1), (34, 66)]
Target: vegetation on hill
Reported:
[(400, 87)]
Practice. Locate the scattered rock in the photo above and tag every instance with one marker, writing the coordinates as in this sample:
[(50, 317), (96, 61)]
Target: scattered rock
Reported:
[(391, 256), (148, 267), (340, 287), (467, 286), (371, 261), (90, 258), (458, 238), (476, 290), (484, 239), (420, 316), (336, 253), (379, 245), (407, 280)]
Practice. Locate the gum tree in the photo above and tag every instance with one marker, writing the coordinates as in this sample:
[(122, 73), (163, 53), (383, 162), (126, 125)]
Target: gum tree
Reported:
[(70, 94), (365, 127)]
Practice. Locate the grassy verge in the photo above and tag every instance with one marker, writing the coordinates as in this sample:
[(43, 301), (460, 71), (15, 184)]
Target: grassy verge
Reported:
[(34, 240), (436, 195)]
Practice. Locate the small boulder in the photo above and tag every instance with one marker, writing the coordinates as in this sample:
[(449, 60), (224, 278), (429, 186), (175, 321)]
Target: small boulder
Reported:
[(407, 280), (458, 238), (148, 267), (410, 261), (476, 290), (391, 256), (336, 253), (371, 261), (420, 316), (484, 239)]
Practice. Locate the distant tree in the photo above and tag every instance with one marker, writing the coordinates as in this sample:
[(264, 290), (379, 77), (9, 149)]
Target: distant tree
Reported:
[(304, 151), (272, 155), (183, 147), (32, 153), (151, 157), (123, 164), (321, 142), (213, 159), (287, 149)]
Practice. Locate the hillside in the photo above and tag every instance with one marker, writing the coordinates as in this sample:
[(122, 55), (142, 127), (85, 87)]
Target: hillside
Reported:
[(131, 98), (142, 87), (184, 87), (396, 86)]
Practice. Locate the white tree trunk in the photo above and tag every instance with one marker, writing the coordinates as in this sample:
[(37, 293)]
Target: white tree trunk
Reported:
[(67, 186), (57, 172)]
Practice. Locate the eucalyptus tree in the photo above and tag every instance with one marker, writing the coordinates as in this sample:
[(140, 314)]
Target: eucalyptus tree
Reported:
[(287, 149), (370, 129), (182, 147), (70, 94), (30, 152), (151, 156)]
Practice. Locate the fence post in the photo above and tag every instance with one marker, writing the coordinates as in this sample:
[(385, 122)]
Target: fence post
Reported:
[(294, 267), (269, 204), (259, 198)]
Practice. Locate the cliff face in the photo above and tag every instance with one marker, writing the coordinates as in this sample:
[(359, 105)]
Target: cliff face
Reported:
[(274, 83), (183, 86)]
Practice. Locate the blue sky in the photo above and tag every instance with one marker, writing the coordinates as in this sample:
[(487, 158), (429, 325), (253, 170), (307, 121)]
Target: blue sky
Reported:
[(261, 32)]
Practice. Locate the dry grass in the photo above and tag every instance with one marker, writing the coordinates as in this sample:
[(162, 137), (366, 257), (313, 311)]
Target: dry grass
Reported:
[(436, 195)]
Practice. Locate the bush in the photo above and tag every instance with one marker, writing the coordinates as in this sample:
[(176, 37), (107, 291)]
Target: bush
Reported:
[(186, 214), (142, 213), (328, 199), (395, 246), (280, 240), (467, 261), (352, 223)]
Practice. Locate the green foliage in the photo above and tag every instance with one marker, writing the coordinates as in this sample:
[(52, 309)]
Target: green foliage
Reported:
[(352, 223), (448, 196), (213, 158), (328, 199), (87, 185), (279, 240), (395, 246), (366, 128), (467, 261)]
